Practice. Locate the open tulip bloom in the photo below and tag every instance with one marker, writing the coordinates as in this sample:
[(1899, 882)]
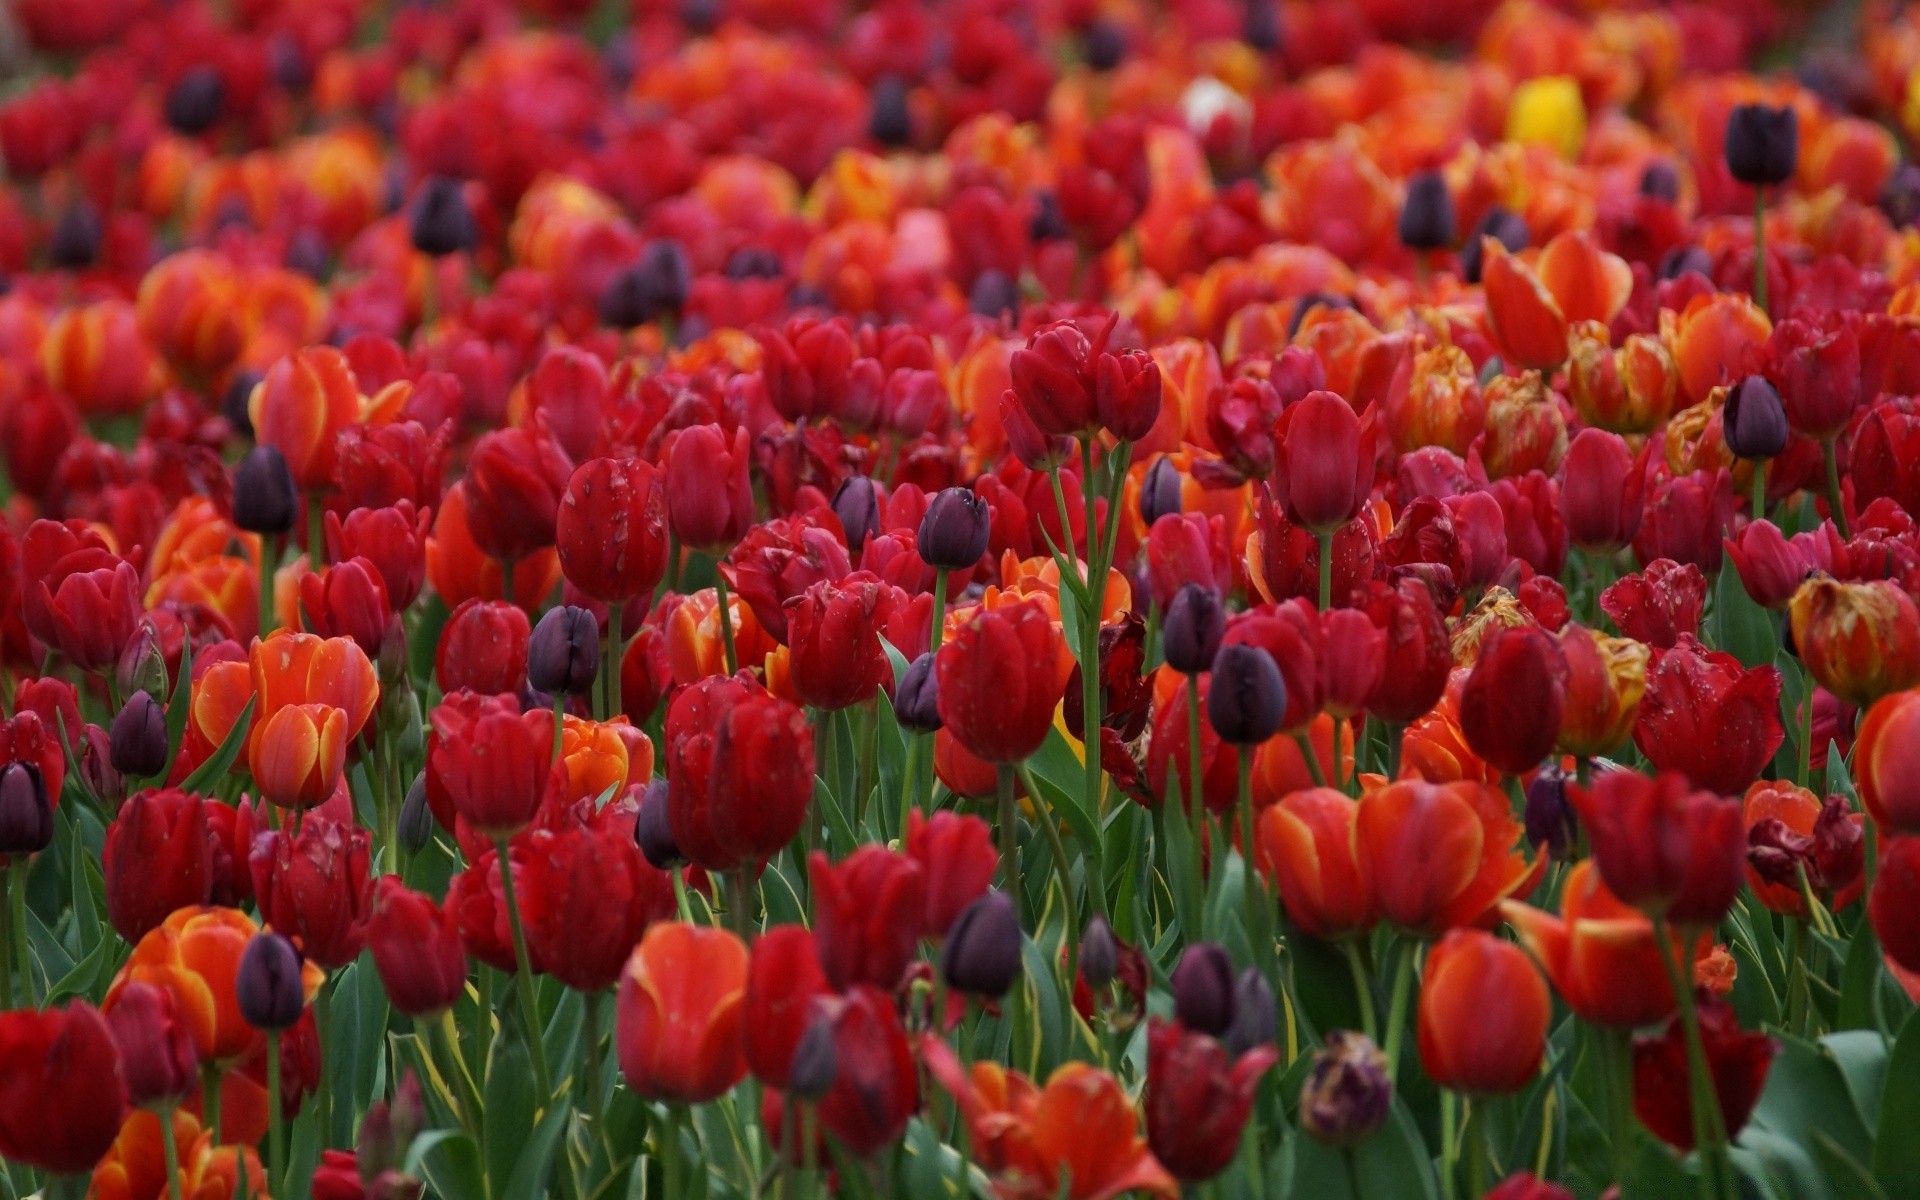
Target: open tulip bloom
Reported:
[(742, 598)]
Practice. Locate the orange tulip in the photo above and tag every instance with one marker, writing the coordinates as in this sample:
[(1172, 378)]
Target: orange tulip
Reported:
[(136, 1167), (1077, 1137), (1305, 845), (460, 572), (679, 1032), (189, 308), (301, 406), (1606, 677), (219, 697), (1860, 641), (195, 955), (1884, 762), (1529, 307), (1717, 338), (1439, 404), (1483, 1014), (299, 668), (1599, 952), (1279, 768), (599, 754), (1435, 748), (695, 640), (297, 754), (1441, 856), (95, 354), (1799, 810), (1626, 391)]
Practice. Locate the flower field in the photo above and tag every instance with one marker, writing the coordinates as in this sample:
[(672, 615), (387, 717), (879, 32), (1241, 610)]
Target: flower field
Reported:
[(914, 599)]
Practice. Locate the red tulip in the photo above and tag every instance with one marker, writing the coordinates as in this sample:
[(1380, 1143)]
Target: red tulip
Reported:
[(1709, 718), (313, 887), (392, 540), (958, 858), (1418, 655), (876, 1086), (1600, 953), (786, 989), (477, 905), (1667, 852), (348, 599), (1602, 490), (1283, 557), (1000, 679), (1771, 567), (1883, 762), (834, 632), (498, 775), (158, 858), (678, 1031), (1659, 604), (1053, 379), (1198, 1098), (1816, 366), (1885, 460), (1441, 856), (1513, 702), (1126, 393), (386, 466), (587, 897), (760, 788), (1859, 641), (483, 648), (612, 529), (709, 494), (688, 749), (1306, 846), (417, 949), (1185, 548), (61, 1091), (1168, 751), (1483, 1014), (1685, 519), (1737, 1062), (513, 485), (157, 1056), (93, 605), (1323, 472), (867, 915)]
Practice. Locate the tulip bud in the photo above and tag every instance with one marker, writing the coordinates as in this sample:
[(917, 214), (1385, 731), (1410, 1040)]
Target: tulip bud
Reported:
[(442, 223), (816, 1062), (1047, 224), (1900, 199), (1105, 44), (264, 499), (233, 401), (1160, 491), (1426, 217), (268, 985), (193, 104), (1507, 228), (1261, 30), (1203, 989), (753, 262), (651, 288), (416, 817), (857, 503), (26, 815), (563, 655), (388, 1130), (1660, 181), (1348, 1091), (916, 702), (1550, 819), (1686, 260), (1194, 625), (653, 832), (142, 666), (1754, 421), (1246, 699), (1763, 144), (1256, 1019), (138, 740), (1099, 953), (891, 124), (76, 239), (994, 292), (981, 955), (157, 1055), (953, 534)]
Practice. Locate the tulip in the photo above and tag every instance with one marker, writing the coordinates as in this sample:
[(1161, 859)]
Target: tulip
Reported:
[(1549, 111), (1198, 1099), (998, 714), (348, 599), (1417, 657), (981, 955), (1790, 833), (1127, 393), (314, 887), (760, 789), (816, 1062), (483, 648), (392, 541), (1659, 604), (1325, 464), (65, 1096), (867, 915), (1606, 678), (1203, 989), (1426, 216), (441, 223), (1053, 379), (1550, 822), (1192, 628), (298, 668), (611, 529), (496, 778), (1099, 953), (709, 495), (916, 698), (268, 983), (833, 630), (1602, 491), (1514, 701), (265, 499), (1737, 1063), (957, 857), (1859, 641), (1885, 457), (300, 407), (1348, 1092), (1894, 906), (654, 287), (1160, 492), (678, 1030), (1505, 227), (1889, 789), (1709, 718), (157, 1059), (1762, 144), (416, 949), (26, 810), (1483, 1014), (563, 652), (1246, 697), (1600, 953), (587, 898), (1753, 421), (876, 1087), (1256, 1019), (785, 995), (1306, 846), (1037, 451), (1771, 567), (953, 533), (1666, 851), (1440, 856), (297, 755)]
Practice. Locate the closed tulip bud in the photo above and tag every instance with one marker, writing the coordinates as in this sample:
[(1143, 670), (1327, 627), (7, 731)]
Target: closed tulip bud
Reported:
[(157, 1055), (1348, 1092), (193, 103), (1323, 472), (483, 648), (1256, 1020), (234, 401), (143, 665), (76, 239), (1261, 28), (1127, 391), (1763, 144), (1686, 260), (916, 701), (1426, 216), (1246, 698), (611, 530), (1664, 1073), (953, 533), (857, 503), (1507, 228), (65, 1099), (1203, 989), (563, 655), (416, 817), (1602, 497), (139, 736), (1515, 697), (1194, 624), (264, 498), (1754, 422), (890, 123), (26, 814), (993, 294), (654, 287), (1000, 714), (1197, 1100), (1160, 491), (1483, 1014), (981, 955), (1550, 819), (653, 831), (816, 1063), (442, 224), (1894, 906), (1661, 181), (268, 985), (416, 949), (1099, 953), (1105, 44)]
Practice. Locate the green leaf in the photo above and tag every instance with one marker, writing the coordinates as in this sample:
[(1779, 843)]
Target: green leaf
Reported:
[(1392, 1165), (529, 1178), (841, 840), (510, 1102), (179, 707), (449, 1161), (1805, 1092), (1738, 625), (1492, 371), (1862, 1058), (209, 772), (1860, 980), (1896, 1152)]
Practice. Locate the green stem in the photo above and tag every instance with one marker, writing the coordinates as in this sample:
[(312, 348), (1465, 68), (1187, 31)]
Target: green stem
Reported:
[(1326, 569), (670, 1158), (1009, 836), (590, 1063), (1838, 511), (611, 650), (276, 1120), (1363, 987), (1709, 1128), (1449, 1142), (316, 544), (1397, 1005), (10, 871), (936, 630), (523, 977), (1090, 633), (269, 564), (1616, 1070), (1475, 1137), (1760, 247), (17, 920), (322, 1003), (210, 1101), (1050, 825), (726, 622), (740, 902), (1806, 725), (1798, 986), (1195, 801), (1313, 760), (1254, 887)]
